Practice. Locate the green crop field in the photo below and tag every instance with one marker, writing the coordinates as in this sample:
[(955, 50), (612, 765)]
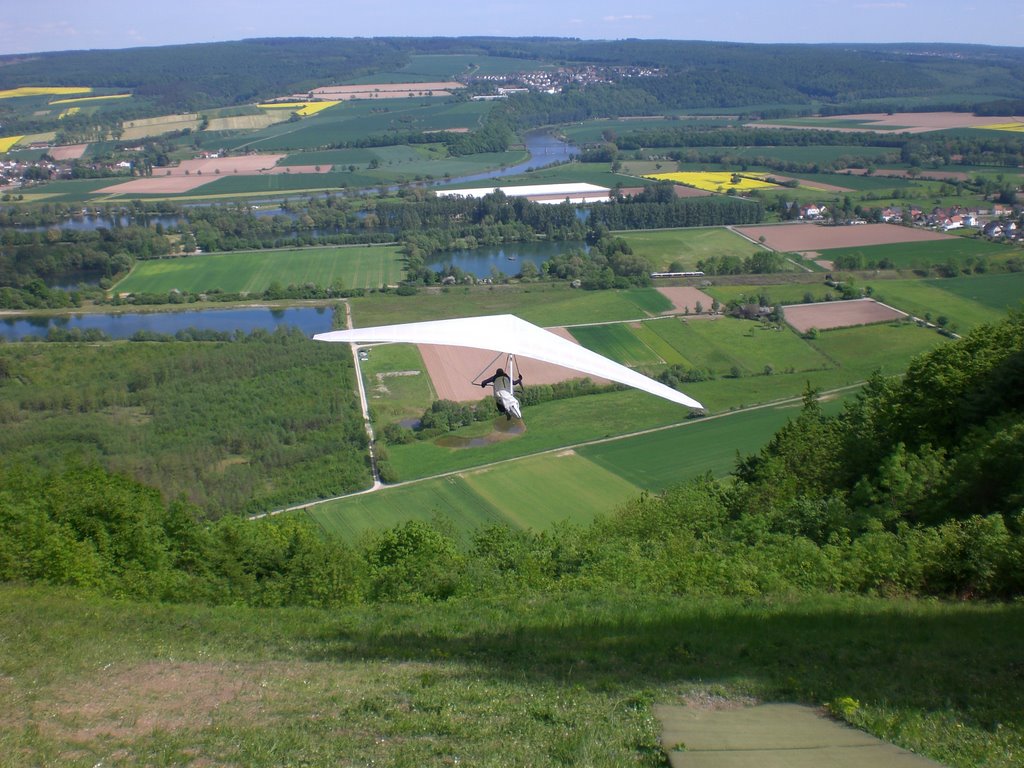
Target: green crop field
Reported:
[(957, 251), (650, 300), (658, 460), (618, 343), (330, 157), (719, 345), (549, 426), (887, 348), (1001, 292), (255, 271), (534, 493), (539, 491), (543, 304), (813, 154), (782, 293), (661, 247), (930, 298)]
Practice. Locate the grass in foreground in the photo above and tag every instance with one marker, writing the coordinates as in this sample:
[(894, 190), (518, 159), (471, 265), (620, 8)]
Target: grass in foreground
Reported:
[(532, 681)]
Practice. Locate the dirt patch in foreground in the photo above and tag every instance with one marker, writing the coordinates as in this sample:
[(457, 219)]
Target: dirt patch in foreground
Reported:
[(154, 696)]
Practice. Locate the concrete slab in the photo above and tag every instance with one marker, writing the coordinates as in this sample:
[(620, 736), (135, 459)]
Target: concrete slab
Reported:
[(772, 736)]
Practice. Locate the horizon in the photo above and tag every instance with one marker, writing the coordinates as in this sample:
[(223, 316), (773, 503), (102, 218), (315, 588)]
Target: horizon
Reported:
[(78, 27)]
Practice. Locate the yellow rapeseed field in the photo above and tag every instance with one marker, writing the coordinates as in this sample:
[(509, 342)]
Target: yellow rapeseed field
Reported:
[(1015, 127), (6, 142), (92, 98), (303, 108), (69, 112), (712, 181), (14, 93)]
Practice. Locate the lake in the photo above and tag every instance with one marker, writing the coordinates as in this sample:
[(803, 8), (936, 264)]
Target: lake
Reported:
[(309, 320), (508, 258)]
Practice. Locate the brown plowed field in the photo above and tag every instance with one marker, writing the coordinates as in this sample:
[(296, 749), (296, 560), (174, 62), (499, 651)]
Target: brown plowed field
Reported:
[(839, 314), (815, 237), (684, 298), (158, 185), (191, 174), (451, 370), (810, 184), (68, 152)]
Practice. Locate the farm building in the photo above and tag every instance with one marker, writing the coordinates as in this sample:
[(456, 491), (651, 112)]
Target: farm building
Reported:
[(541, 193)]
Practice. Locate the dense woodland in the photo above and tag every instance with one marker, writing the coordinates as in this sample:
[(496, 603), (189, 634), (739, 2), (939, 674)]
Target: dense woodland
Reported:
[(916, 488), (252, 423)]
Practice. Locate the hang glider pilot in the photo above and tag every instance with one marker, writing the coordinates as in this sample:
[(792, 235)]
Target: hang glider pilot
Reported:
[(502, 389)]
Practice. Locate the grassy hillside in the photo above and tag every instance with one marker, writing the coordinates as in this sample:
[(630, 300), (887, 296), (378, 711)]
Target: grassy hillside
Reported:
[(565, 680)]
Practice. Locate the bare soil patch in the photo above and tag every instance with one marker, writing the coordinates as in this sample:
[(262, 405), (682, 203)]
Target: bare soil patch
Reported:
[(158, 185), (811, 184), (139, 700), (452, 369), (890, 173), (839, 314), (383, 91), (684, 298), (815, 237), (68, 152), (298, 169)]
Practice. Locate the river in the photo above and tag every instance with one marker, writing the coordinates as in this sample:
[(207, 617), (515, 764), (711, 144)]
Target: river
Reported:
[(309, 320)]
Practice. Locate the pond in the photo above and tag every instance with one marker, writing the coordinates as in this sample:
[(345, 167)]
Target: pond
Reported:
[(507, 259), (309, 320), (88, 223)]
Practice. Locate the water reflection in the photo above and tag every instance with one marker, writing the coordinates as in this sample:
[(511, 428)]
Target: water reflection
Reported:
[(309, 320)]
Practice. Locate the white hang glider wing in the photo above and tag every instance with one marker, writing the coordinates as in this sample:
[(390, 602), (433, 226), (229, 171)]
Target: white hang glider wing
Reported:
[(509, 334)]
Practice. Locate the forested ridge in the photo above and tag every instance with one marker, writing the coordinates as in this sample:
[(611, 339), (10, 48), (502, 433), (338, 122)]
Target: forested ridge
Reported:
[(916, 488), (694, 74)]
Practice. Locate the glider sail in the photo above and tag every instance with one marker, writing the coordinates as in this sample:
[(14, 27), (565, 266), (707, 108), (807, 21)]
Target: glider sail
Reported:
[(510, 334)]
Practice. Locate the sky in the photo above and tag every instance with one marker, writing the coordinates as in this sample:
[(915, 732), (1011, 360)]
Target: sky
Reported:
[(73, 24)]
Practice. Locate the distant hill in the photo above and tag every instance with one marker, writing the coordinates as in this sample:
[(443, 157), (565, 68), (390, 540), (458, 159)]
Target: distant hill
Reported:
[(692, 74)]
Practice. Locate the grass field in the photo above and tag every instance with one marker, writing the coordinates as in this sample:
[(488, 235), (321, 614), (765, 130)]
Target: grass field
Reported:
[(543, 304), (780, 293), (998, 292), (661, 459), (255, 271), (722, 344), (888, 348), (955, 251), (540, 491), (617, 342), (933, 298), (543, 680), (534, 493), (662, 247), (393, 396)]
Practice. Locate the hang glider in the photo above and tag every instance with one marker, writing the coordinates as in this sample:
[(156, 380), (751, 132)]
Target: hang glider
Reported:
[(511, 335)]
